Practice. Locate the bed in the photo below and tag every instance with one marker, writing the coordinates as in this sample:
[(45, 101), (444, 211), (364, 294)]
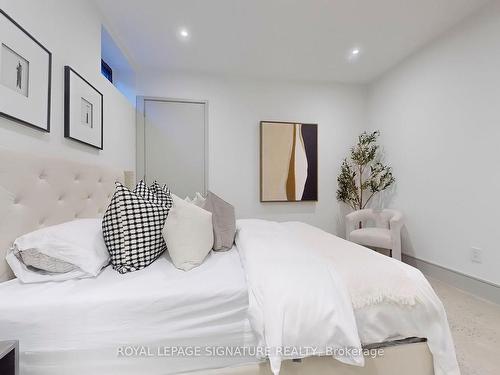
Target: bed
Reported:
[(127, 324)]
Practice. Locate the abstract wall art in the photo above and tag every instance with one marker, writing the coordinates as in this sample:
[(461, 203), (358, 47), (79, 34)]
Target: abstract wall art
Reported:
[(288, 162)]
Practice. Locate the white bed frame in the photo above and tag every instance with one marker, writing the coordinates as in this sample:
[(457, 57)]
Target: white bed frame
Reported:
[(38, 191)]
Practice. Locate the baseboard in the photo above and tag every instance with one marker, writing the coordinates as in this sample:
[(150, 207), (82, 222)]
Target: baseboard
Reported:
[(470, 284)]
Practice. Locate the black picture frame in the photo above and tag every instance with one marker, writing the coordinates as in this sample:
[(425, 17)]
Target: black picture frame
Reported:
[(67, 107), (49, 83)]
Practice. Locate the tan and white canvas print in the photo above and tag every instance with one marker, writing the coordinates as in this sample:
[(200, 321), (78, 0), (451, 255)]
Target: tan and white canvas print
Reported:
[(289, 162)]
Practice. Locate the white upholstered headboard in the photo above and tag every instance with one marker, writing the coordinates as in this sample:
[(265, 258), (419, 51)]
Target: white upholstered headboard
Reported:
[(38, 191)]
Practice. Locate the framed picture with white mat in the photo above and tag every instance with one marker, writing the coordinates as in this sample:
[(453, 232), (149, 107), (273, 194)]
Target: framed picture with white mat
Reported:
[(83, 105), (25, 76)]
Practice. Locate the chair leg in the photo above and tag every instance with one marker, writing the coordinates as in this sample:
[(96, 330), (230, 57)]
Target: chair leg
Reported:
[(396, 253)]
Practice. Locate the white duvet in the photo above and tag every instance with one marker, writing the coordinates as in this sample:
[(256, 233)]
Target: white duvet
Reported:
[(310, 289)]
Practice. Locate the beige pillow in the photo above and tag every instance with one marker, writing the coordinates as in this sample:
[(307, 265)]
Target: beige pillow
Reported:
[(188, 234), (223, 220)]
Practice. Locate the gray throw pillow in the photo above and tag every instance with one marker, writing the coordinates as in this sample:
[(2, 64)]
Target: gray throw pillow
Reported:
[(223, 221)]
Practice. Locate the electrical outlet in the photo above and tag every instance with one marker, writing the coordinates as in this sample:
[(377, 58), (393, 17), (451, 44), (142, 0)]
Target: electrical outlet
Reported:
[(476, 255)]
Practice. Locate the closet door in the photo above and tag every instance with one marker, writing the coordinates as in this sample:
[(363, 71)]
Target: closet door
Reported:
[(175, 145)]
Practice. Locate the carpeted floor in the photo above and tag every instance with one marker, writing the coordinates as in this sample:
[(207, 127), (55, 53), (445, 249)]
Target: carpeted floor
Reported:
[(475, 325)]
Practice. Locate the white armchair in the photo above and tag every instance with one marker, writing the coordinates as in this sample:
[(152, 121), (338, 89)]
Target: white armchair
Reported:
[(386, 234)]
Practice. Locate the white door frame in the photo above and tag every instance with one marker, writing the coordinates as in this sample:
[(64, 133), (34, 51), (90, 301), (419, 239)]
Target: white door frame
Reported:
[(141, 139)]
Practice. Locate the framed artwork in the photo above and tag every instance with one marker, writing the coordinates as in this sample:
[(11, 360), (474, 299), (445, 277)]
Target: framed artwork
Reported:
[(83, 110), (288, 162), (25, 76)]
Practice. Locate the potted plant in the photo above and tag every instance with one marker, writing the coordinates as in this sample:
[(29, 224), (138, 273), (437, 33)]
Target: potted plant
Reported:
[(363, 175)]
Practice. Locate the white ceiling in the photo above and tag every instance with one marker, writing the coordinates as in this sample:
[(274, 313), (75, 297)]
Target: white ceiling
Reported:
[(285, 39)]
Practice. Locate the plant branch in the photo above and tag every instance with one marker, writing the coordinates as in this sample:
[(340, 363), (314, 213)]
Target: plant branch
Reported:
[(368, 200)]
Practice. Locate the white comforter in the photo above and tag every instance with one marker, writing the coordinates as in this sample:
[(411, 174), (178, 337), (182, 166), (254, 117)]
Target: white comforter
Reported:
[(308, 288)]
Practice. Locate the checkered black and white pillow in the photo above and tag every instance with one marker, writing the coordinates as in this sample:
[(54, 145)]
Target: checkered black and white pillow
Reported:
[(155, 186), (132, 228), (154, 193)]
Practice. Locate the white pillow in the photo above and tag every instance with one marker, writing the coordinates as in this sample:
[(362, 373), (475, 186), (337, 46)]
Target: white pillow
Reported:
[(198, 200), (188, 233), (79, 243)]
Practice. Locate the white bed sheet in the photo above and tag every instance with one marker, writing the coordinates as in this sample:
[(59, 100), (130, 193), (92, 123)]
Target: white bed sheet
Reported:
[(81, 326)]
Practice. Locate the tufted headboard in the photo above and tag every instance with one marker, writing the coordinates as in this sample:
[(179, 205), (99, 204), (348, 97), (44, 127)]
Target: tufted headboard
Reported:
[(39, 191)]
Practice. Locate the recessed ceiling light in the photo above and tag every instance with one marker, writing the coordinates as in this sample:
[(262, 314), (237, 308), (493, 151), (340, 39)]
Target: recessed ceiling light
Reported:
[(354, 54), (184, 33)]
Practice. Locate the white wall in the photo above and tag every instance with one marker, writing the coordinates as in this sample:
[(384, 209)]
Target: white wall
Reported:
[(235, 109), (439, 113), (71, 30)]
